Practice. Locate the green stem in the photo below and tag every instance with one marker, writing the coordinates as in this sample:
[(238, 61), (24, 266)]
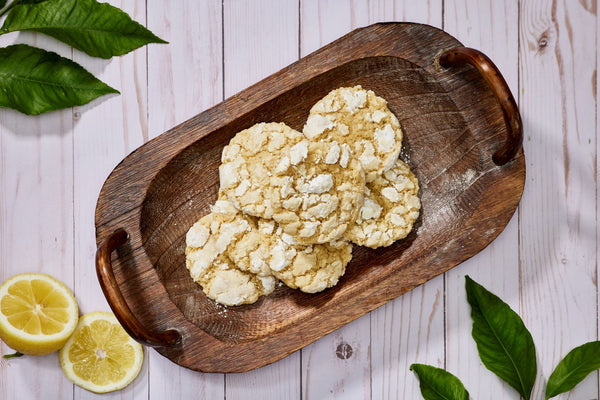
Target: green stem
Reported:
[(13, 355), (9, 7)]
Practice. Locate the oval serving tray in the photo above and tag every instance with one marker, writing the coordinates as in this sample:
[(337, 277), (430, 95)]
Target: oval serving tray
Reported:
[(462, 140)]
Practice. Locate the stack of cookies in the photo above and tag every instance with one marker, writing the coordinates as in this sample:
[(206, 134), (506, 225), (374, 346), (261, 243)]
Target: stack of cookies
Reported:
[(291, 204)]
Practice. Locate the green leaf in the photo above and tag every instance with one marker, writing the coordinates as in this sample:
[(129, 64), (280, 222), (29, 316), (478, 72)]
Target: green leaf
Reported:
[(98, 29), (437, 384), (572, 369), (34, 81), (3, 3), (504, 344)]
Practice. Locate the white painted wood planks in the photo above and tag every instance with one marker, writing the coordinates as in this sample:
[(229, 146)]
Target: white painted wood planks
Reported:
[(544, 264)]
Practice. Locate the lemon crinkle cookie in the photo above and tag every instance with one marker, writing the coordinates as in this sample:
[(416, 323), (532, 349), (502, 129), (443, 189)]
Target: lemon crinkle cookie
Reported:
[(312, 189), (291, 204), (249, 160), (206, 244), (362, 120), (310, 268), (320, 196), (390, 209)]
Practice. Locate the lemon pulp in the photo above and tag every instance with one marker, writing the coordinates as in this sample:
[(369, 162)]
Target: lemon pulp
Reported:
[(100, 356), (37, 313)]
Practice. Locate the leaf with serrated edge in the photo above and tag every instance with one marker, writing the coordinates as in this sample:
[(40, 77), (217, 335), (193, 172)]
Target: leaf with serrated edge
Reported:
[(438, 384), (504, 344), (98, 29), (579, 363), (34, 81)]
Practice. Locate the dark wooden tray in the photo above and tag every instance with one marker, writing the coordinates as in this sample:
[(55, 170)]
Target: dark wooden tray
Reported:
[(462, 140)]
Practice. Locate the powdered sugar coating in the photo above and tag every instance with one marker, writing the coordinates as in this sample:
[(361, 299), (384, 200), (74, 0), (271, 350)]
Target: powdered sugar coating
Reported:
[(266, 249), (312, 189), (316, 200), (390, 208), (362, 120), (207, 242), (252, 158)]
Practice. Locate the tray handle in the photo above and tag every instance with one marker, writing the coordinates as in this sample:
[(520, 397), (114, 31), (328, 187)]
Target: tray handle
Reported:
[(117, 302), (514, 140)]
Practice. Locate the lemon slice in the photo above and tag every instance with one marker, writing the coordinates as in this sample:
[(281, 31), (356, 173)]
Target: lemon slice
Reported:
[(100, 356), (37, 313)]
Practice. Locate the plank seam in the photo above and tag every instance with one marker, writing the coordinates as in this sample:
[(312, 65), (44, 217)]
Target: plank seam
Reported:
[(73, 200), (223, 49), (597, 197), (148, 374)]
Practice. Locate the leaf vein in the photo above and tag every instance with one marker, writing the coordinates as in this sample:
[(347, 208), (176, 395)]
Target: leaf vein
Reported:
[(13, 77), (75, 28), (512, 361)]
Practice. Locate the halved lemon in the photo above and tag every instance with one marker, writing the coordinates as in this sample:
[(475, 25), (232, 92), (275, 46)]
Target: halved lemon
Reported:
[(100, 356), (38, 313)]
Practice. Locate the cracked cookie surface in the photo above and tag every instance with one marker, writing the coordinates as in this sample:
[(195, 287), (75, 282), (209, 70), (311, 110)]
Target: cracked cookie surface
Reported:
[(251, 159), (390, 209), (320, 197), (312, 268), (207, 242), (358, 118), (313, 190)]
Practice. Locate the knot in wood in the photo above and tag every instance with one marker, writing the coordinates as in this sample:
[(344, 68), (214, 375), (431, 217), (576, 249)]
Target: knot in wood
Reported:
[(543, 41), (343, 351)]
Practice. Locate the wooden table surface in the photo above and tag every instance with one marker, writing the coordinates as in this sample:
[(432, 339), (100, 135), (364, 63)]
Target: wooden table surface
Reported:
[(544, 265)]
